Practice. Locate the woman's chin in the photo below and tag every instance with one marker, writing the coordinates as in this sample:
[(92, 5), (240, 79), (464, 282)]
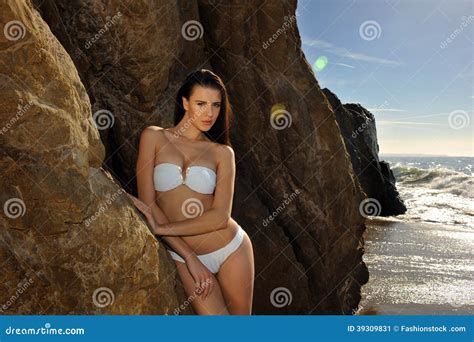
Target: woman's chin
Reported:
[(205, 128)]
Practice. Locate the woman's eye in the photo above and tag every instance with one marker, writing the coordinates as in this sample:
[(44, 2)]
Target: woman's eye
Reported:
[(217, 105)]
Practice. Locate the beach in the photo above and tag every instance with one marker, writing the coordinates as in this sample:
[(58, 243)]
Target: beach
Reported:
[(418, 268)]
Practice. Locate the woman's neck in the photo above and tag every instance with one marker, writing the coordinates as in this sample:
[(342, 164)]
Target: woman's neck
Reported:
[(189, 133)]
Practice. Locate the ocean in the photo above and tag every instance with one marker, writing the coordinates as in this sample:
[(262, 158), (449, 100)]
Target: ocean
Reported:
[(422, 262), (435, 189)]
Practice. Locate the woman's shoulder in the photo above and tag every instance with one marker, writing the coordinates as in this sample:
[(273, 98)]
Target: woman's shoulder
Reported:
[(152, 133), (153, 128), (224, 151)]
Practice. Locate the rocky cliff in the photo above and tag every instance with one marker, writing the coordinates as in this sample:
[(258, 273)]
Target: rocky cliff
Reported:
[(70, 242), (376, 178), (296, 192)]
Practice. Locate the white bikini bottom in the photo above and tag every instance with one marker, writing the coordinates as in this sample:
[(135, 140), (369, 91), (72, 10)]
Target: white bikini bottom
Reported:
[(214, 260)]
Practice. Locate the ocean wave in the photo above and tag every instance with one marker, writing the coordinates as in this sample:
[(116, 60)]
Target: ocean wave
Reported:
[(439, 178)]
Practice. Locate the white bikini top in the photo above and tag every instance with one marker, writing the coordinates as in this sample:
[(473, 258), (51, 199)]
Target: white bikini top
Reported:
[(167, 176)]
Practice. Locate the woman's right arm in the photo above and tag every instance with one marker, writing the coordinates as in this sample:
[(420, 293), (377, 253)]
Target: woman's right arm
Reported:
[(146, 189)]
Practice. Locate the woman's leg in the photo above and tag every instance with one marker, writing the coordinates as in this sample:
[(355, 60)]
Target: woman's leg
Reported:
[(236, 278), (214, 304)]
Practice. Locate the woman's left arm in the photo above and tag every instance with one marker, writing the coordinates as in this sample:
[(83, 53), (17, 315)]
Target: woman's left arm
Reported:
[(219, 214)]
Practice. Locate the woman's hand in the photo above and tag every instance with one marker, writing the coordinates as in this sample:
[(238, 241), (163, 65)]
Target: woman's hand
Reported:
[(202, 276), (145, 210), (200, 273)]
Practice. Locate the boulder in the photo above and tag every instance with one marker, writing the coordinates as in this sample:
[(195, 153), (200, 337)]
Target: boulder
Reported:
[(71, 242)]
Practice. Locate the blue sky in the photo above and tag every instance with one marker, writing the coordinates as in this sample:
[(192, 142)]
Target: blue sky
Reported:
[(394, 58)]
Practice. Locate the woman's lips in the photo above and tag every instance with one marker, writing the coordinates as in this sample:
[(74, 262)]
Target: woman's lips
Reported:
[(207, 122)]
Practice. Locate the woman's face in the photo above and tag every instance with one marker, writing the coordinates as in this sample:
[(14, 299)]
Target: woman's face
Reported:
[(203, 107)]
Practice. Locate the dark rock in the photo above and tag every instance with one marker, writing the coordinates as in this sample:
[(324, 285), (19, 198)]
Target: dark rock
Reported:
[(358, 128)]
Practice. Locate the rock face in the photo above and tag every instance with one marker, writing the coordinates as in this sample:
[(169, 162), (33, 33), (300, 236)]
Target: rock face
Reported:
[(70, 240), (296, 193), (358, 128)]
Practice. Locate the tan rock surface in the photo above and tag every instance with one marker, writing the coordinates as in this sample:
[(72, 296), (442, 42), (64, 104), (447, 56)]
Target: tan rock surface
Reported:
[(70, 240)]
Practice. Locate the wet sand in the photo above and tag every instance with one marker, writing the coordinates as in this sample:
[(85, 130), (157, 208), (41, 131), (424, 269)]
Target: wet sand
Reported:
[(418, 268)]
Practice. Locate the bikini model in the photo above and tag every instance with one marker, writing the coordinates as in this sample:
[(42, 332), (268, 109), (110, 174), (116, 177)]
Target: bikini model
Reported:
[(167, 176)]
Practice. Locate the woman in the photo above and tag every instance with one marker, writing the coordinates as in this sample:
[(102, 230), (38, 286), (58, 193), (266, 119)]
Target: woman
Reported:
[(213, 254)]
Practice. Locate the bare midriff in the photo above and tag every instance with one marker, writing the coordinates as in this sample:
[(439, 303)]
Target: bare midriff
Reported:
[(171, 203)]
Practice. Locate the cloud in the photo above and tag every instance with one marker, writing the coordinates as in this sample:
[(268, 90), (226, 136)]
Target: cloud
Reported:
[(386, 122), (381, 110), (343, 52), (345, 65)]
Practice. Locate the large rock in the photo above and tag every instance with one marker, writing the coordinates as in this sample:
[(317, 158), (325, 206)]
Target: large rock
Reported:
[(376, 178), (131, 56), (70, 240), (309, 254)]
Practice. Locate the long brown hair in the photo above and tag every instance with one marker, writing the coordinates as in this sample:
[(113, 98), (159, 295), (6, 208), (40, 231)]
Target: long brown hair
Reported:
[(220, 131)]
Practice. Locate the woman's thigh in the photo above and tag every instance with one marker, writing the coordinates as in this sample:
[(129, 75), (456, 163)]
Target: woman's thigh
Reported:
[(214, 304), (236, 278)]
